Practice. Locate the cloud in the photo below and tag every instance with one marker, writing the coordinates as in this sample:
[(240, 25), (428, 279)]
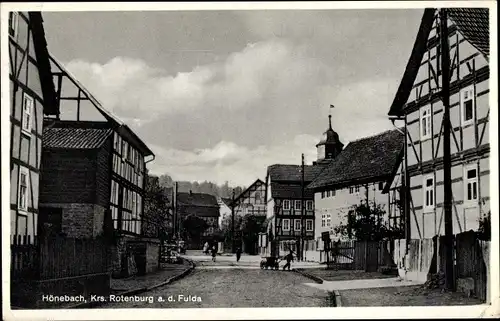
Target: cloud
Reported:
[(231, 119), (226, 161)]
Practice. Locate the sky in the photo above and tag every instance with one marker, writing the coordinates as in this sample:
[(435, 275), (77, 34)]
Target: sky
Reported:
[(221, 95)]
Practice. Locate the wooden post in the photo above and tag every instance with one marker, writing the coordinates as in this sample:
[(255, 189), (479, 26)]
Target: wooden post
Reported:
[(302, 210), (232, 225), (445, 96)]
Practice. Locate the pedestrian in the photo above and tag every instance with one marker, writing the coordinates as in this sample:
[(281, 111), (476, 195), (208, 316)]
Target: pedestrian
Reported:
[(214, 253), (238, 254), (289, 259), (205, 248)]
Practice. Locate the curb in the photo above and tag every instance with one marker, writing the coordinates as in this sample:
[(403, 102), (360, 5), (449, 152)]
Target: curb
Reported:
[(141, 290), (338, 299), (310, 276)]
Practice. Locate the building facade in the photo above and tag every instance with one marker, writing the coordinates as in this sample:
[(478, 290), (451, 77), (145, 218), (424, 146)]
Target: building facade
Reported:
[(204, 206), (32, 97), (252, 200), (419, 104), (358, 175), (224, 209)]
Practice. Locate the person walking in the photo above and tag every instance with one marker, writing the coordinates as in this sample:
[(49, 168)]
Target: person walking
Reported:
[(214, 253), (205, 248), (289, 259), (238, 254)]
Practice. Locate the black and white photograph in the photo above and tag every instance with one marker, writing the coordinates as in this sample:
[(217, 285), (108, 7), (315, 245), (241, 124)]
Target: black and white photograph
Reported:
[(172, 158)]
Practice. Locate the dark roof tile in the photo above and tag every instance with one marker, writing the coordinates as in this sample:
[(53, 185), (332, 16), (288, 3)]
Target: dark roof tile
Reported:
[(293, 173), (290, 191), (373, 157), (75, 138), (197, 199)]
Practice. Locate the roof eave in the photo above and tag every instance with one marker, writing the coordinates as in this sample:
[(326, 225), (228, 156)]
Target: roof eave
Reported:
[(413, 65)]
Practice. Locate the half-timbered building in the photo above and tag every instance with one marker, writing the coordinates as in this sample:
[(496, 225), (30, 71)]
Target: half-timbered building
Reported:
[(32, 97), (251, 201), (419, 102)]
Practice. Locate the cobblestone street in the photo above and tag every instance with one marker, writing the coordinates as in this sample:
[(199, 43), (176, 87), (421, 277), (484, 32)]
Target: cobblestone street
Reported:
[(234, 287)]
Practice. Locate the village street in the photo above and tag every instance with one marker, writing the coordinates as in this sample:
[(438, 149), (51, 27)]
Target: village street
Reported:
[(225, 284)]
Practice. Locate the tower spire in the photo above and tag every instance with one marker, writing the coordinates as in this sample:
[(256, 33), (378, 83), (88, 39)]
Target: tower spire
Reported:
[(330, 121)]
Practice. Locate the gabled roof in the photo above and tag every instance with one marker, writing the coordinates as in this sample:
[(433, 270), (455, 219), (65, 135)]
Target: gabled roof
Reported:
[(293, 173), (75, 138), (290, 191), (472, 23), (227, 201), (257, 182), (197, 199), (43, 64), (120, 126), (365, 160)]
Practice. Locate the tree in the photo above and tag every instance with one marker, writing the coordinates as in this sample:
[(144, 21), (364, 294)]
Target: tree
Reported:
[(251, 226), (484, 231), (365, 222), (193, 227), (157, 218)]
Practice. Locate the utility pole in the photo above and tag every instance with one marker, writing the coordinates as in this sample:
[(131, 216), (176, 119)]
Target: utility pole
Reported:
[(302, 210), (232, 225), (176, 214), (445, 96)]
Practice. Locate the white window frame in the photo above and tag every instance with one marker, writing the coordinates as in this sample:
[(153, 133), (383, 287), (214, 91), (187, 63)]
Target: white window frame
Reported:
[(334, 192), (328, 193), (473, 201), (27, 110), (470, 94), (295, 228), (299, 207), (425, 118), (328, 220), (380, 186), (426, 189), (287, 227), (286, 204), (14, 23), (309, 205), (23, 171), (323, 220), (309, 222), (351, 189), (356, 189)]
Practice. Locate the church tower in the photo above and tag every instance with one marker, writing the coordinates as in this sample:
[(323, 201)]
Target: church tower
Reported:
[(329, 146)]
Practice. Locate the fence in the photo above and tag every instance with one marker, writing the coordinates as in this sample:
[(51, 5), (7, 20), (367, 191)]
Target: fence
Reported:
[(356, 255), (59, 257)]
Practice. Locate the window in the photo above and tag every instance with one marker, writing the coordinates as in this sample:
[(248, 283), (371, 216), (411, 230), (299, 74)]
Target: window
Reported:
[(334, 192), (298, 205), (471, 183), (425, 122), (429, 192), (286, 224), (286, 204), (22, 203), (309, 205), (327, 193), (297, 225), (380, 186), (309, 225), (257, 197), (13, 23), (467, 105), (356, 189), (323, 220), (323, 194), (27, 110), (351, 190), (328, 220)]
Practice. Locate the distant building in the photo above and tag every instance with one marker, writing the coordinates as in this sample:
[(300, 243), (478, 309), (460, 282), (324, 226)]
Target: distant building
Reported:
[(359, 174), (286, 201), (224, 209), (204, 206), (252, 200)]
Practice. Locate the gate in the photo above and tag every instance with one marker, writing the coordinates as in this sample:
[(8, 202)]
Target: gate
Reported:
[(353, 255)]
